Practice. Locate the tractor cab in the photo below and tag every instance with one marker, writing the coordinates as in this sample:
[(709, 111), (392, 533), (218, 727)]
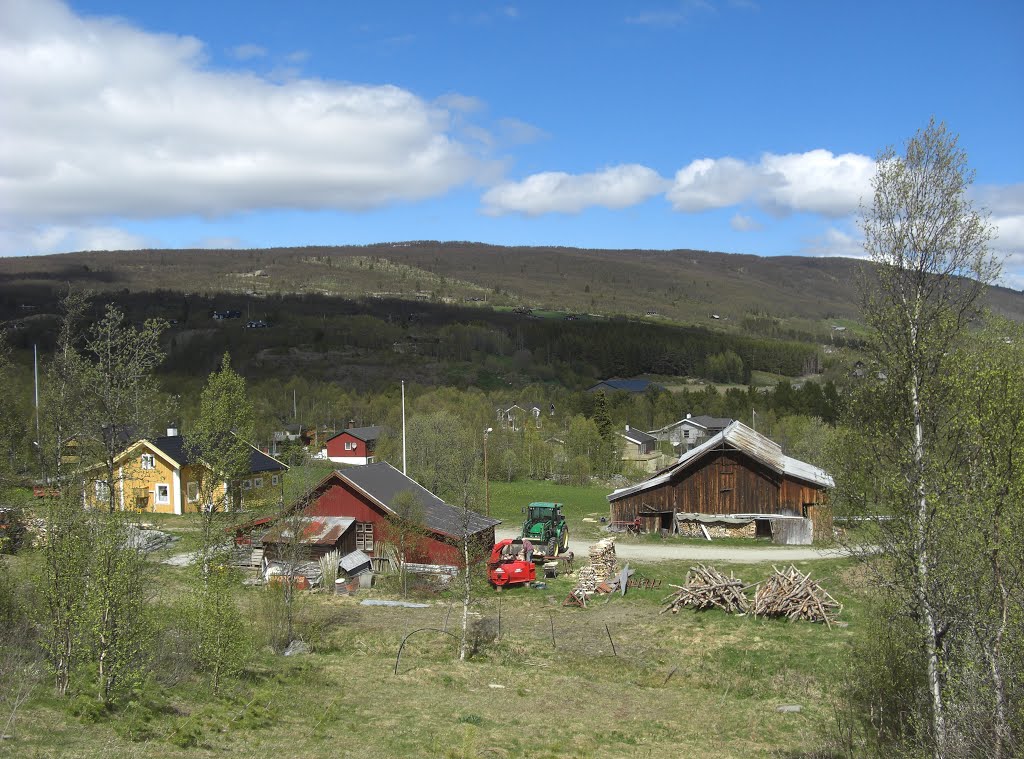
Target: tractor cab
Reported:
[(546, 528)]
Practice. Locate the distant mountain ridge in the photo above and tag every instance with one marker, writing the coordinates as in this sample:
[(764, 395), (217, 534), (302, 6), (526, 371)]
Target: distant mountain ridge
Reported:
[(686, 286)]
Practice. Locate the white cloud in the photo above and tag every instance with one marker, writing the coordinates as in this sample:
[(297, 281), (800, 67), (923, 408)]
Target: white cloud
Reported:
[(248, 52), (708, 183), (101, 119), (835, 242), (816, 182), (58, 238), (1009, 233), (557, 192), (742, 223)]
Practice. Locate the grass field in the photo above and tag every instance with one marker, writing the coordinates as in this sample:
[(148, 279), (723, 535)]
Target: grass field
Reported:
[(691, 684)]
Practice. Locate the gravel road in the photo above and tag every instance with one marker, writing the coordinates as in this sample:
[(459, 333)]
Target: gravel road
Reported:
[(691, 552)]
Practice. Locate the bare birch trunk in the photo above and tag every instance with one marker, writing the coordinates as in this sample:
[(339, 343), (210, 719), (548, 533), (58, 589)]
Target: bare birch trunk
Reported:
[(465, 599), (933, 635)]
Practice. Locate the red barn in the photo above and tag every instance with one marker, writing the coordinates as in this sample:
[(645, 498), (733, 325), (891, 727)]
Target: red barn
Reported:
[(366, 493), (736, 482), (355, 445)]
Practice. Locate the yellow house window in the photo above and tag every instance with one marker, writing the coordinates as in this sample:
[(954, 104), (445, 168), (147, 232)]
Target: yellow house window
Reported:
[(192, 491), (148, 461), (275, 480), (163, 494)]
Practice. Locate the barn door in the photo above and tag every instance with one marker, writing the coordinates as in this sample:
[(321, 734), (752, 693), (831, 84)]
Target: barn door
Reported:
[(726, 487)]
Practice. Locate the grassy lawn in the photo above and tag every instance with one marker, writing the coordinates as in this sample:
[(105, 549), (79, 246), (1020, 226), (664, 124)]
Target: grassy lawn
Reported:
[(692, 684), (590, 501)]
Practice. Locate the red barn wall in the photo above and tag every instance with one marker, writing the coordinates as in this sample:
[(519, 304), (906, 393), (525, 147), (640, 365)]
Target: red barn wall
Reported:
[(339, 499)]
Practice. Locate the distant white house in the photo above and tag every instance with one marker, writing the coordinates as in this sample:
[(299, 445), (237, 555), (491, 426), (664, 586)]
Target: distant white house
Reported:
[(690, 432)]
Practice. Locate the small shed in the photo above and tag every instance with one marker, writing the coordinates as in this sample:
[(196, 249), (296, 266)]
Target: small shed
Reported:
[(309, 537)]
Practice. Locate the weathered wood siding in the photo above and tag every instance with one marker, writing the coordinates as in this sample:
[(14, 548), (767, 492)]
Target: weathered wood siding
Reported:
[(724, 482)]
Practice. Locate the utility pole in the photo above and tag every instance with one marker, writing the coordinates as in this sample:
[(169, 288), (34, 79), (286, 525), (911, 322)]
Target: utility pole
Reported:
[(487, 486), (404, 469)]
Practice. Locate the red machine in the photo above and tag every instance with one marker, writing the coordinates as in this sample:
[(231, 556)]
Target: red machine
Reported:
[(509, 564)]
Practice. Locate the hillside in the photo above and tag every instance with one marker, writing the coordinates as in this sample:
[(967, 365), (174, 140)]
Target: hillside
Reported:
[(684, 286)]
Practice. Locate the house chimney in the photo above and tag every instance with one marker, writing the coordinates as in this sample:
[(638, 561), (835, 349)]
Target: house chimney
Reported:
[(172, 431), (687, 416), (627, 428), (351, 424)]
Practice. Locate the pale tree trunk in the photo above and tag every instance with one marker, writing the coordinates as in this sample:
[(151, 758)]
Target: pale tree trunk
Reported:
[(465, 599), (933, 633)]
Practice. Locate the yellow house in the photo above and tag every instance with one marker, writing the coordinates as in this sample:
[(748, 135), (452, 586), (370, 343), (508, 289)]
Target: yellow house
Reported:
[(161, 475)]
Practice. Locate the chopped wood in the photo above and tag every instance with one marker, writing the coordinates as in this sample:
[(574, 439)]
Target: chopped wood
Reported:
[(792, 594), (708, 588)]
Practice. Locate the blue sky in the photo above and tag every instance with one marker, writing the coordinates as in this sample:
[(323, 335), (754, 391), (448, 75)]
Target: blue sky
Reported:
[(738, 126)]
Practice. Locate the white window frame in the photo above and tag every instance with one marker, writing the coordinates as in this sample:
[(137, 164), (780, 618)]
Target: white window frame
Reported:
[(350, 445), (257, 482), (192, 492), (246, 484), (275, 479), (148, 461), (156, 494), (102, 490)]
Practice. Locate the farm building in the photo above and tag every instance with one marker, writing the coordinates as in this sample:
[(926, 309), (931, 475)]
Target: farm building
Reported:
[(367, 496), (355, 445), (737, 482)]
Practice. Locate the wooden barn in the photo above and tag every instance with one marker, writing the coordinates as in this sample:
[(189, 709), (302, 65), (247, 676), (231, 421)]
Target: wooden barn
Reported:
[(366, 495), (739, 480)]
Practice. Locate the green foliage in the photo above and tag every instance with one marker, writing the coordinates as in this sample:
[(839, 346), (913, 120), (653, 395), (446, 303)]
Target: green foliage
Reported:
[(217, 631)]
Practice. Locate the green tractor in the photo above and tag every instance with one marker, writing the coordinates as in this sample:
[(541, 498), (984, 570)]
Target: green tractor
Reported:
[(546, 528)]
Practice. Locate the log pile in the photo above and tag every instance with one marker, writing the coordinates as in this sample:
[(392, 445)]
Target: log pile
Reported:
[(603, 566), (708, 588), (792, 594), (602, 559), (586, 579)]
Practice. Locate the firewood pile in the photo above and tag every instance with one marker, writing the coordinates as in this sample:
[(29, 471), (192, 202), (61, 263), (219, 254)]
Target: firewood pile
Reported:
[(602, 559), (792, 594), (603, 566), (708, 588), (586, 579)]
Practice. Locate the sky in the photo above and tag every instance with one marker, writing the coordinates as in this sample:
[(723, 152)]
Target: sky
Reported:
[(745, 126)]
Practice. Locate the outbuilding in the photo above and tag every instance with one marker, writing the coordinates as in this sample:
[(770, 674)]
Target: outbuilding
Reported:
[(368, 495), (738, 480)]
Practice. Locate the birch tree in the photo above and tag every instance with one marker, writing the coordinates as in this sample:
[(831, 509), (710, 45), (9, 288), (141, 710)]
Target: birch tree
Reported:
[(929, 247)]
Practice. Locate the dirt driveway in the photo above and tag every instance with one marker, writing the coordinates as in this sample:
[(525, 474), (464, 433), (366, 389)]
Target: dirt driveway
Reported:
[(694, 552)]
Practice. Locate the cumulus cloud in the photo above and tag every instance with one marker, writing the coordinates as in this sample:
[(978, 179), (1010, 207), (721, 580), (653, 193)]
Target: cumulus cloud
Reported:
[(557, 192), (101, 119), (816, 181), (742, 223)]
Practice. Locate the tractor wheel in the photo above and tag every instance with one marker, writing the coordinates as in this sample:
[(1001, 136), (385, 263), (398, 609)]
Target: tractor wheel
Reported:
[(552, 549), (565, 541)]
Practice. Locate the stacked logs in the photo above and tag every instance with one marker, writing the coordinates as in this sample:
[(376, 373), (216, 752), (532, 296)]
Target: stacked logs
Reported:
[(794, 595), (603, 566), (602, 559), (706, 588)]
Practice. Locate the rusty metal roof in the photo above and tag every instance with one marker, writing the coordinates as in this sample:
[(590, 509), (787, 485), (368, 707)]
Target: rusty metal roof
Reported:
[(742, 438), (315, 531)]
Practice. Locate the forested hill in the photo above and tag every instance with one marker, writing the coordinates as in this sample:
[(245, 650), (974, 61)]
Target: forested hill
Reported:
[(794, 294)]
